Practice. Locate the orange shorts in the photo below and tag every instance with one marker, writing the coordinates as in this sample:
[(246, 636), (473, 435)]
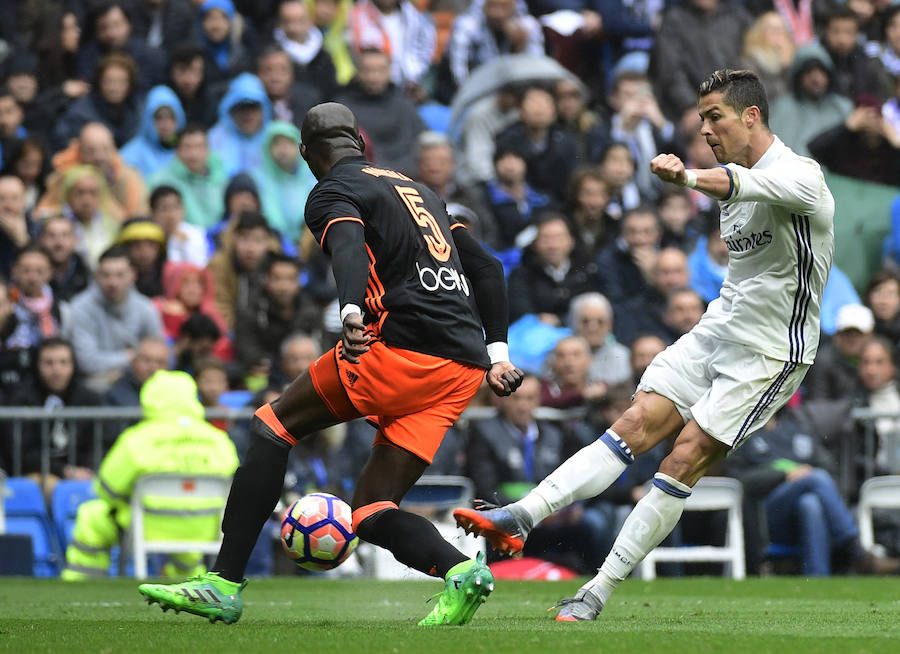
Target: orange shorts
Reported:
[(412, 397)]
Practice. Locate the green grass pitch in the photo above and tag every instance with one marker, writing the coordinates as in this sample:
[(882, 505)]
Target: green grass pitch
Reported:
[(315, 616)]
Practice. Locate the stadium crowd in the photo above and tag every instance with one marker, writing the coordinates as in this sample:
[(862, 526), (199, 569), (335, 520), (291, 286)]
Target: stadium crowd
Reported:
[(152, 217)]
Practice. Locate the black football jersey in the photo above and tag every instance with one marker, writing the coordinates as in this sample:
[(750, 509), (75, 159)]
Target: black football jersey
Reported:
[(417, 295)]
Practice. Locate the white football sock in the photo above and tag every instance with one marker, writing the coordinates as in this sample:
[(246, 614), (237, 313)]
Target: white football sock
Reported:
[(648, 524), (585, 474)]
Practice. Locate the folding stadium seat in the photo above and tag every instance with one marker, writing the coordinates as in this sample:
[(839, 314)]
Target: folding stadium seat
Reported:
[(67, 497), (27, 514), (876, 493), (710, 494)]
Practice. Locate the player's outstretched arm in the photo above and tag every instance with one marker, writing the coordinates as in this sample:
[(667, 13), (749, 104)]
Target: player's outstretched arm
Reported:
[(713, 181), (486, 276)]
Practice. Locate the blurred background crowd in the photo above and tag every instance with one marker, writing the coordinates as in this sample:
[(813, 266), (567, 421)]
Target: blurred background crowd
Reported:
[(152, 202)]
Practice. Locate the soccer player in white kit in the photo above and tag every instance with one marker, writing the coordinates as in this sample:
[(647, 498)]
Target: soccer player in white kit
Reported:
[(725, 378)]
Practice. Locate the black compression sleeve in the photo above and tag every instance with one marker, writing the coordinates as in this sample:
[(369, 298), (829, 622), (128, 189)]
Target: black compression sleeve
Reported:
[(485, 274), (347, 244)]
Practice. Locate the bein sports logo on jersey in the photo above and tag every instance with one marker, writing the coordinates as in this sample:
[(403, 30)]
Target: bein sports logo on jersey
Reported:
[(443, 277)]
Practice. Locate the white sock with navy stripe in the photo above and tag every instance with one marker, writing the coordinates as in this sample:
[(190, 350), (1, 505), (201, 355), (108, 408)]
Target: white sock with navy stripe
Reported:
[(647, 526), (585, 474)]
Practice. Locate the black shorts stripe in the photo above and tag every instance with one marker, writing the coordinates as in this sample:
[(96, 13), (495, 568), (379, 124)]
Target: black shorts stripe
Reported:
[(764, 401)]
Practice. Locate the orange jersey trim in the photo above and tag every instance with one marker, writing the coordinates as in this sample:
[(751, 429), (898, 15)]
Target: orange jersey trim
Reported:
[(455, 225), (338, 220), (375, 289)]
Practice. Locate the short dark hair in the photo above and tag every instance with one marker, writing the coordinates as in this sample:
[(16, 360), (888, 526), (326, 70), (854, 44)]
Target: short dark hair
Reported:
[(53, 341), (6, 93), (122, 60), (740, 89), (269, 50), (114, 252), (31, 248), (248, 220), (880, 277), (199, 325), (184, 54), (841, 12), (275, 258), (209, 363), (161, 192), (191, 128)]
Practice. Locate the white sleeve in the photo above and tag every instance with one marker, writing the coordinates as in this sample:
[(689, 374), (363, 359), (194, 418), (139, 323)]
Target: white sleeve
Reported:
[(795, 183)]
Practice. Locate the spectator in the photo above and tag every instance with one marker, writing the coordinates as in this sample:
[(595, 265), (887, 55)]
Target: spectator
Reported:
[(112, 101), (90, 207), (236, 267), (53, 384), (290, 98), (212, 384), (679, 218), (569, 383), (645, 312), (834, 376), (769, 52), (154, 145), (195, 343), (551, 274), (109, 319), (435, 169), (21, 79), (878, 381), (184, 242), (591, 317), (109, 31), (787, 468), (28, 160), (684, 308), (617, 167), (390, 119), (241, 195), (37, 312), (69, 273), (224, 41), (889, 54), (708, 264), (15, 363), (298, 352), (172, 437), (11, 129), (868, 146), (162, 24), (855, 75), (507, 454), (692, 35), (56, 44), (549, 152), (643, 349), (304, 44), (639, 123), (479, 127), (198, 175), (588, 198), (803, 20), (279, 310), (284, 180), (95, 147), (189, 290), (487, 29), (330, 16), (627, 263), (512, 202), (578, 121), (398, 28), (187, 77), (882, 296), (151, 354), (244, 113), (145, 242), (15, 224), (812, 106)]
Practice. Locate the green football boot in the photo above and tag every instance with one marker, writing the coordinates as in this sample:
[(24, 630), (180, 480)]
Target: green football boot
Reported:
[(207, 595), (467, 587)]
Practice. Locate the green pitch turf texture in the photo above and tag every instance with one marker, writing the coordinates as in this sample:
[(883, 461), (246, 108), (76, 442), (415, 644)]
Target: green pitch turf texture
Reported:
[(316, 616)]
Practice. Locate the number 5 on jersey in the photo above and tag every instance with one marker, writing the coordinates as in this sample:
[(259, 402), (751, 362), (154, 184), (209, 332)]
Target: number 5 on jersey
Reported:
[(437, 244)]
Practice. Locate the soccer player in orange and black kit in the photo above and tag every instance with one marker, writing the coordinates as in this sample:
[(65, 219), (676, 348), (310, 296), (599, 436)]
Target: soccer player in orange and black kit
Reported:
[(419, 299)]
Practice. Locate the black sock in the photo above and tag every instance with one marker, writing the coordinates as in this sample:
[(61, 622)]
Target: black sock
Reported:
[(413, 541), (255, 490)]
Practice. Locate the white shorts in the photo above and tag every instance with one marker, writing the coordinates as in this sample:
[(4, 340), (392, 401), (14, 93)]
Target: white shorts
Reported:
[(730, 390)]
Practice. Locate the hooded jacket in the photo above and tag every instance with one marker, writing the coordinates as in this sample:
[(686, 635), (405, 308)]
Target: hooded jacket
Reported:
[(238, 151), (795, 117), (202, 196), (145, 151), (283, 194)]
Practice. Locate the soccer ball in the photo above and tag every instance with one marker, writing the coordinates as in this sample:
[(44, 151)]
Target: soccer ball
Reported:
[(317, 532)]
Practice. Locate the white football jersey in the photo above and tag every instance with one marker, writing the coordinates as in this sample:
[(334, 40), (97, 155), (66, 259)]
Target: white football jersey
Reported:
[(778, 225)]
